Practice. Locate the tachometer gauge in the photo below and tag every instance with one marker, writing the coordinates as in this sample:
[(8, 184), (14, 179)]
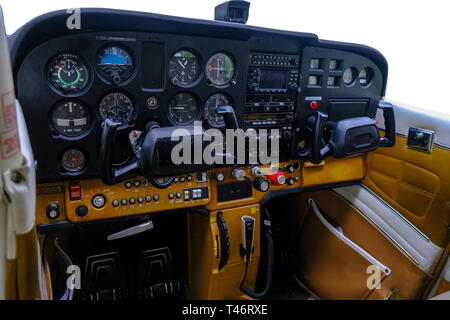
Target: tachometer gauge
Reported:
[(73, 160), (71, 118), (116, 106), (115, 65), (184, 68), (68, 74), (220, 69), (183, 109), (213, 102)]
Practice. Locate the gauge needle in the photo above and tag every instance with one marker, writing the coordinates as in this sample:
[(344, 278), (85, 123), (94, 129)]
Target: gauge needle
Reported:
[(181, 64), (76, 161)]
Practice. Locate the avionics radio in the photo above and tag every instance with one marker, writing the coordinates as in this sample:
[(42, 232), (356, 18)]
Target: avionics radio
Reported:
[(272, 86)]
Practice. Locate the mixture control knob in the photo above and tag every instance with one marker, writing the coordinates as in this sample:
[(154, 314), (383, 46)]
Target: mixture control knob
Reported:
[(261, 184), (53, 211), (277, 178), (98, 201), (239, 174)]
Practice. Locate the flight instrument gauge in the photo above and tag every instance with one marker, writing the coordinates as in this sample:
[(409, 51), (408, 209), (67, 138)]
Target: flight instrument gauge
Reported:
[(184, 68), (73, 160), (349, 76), (117, 107), (68, 74), (71, 118), (210, 115), (114, 65), (183, 109), (219, 69)]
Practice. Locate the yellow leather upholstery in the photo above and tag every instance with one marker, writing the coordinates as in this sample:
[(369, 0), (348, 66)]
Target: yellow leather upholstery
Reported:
[(416, 184)]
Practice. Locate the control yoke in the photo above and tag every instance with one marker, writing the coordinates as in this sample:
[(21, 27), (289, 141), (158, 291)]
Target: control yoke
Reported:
[(153, 152), (349, 137), (227, 112)]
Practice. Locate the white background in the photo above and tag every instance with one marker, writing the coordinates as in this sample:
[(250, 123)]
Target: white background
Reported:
[(413, 35)]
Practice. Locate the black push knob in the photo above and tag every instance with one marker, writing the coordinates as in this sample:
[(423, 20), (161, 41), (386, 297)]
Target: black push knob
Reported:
[(261, 184), (253, 87), (220, 176), (53, 211), (82, 210), (287, 135), (289, 168)]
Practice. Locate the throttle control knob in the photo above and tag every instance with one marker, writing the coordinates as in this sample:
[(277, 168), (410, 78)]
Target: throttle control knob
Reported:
[(261, 184)]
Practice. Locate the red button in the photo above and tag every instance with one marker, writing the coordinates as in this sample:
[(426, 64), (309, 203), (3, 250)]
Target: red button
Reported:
[(314, 105), (75, 192)]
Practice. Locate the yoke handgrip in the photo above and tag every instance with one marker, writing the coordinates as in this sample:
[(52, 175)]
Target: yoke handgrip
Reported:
[(227, 112), (318, 122), (389, 122), (108, 174)]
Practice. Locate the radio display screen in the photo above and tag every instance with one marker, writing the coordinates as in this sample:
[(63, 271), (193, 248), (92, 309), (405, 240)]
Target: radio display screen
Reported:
[(273, 79)]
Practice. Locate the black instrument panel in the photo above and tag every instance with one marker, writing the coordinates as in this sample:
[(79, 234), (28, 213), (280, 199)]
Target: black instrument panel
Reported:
[(69, 84), (146, 91)]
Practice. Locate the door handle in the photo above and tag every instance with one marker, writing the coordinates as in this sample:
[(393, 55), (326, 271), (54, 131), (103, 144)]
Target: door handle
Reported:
[(420, 139)]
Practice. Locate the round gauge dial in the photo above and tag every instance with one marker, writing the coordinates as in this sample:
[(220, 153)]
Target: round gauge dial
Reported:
[(68, 74), (116, 106), (213, 102), (184, 68), (183, 109), (115, 65), (220, 69), (349, 76), (162, 183), (73, 160), (365, 77), (71, 118)]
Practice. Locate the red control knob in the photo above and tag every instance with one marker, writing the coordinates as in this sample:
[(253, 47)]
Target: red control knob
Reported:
[(277, 178)]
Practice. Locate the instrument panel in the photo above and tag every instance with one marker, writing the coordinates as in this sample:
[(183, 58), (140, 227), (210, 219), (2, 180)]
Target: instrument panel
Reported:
[(69, 85)]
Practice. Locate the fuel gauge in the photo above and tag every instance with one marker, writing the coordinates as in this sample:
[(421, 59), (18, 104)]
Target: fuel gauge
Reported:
[(73, 160)]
